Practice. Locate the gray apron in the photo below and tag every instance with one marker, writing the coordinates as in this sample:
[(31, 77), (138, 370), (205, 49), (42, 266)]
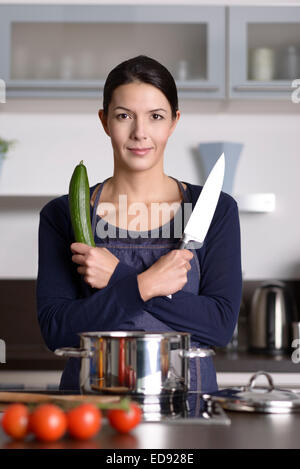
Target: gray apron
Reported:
[(140, 250)]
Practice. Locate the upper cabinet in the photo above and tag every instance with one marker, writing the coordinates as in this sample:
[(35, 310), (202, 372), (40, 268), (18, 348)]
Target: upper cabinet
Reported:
[(264, 51), (68, 50)]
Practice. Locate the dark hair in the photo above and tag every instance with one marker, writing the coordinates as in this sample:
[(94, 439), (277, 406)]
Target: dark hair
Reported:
[(141, 69)]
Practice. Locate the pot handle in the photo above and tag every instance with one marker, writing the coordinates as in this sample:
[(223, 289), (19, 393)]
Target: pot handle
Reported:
[(73, 352), (197, 352)]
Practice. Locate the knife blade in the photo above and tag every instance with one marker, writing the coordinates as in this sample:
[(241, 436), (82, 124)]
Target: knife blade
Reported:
[(203, 212)]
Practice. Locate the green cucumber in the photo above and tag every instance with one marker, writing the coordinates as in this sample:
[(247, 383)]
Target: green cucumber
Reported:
[(79, 205)]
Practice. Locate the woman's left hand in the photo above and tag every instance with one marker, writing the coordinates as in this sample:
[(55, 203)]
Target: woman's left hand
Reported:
[(96, 264)]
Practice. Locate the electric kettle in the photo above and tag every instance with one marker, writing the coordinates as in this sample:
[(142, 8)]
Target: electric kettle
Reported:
[(272, 312)]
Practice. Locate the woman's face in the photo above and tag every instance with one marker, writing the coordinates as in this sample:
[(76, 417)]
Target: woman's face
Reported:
[(139, 117)]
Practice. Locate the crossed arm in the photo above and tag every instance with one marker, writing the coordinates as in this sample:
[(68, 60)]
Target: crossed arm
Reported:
[(64, 310)]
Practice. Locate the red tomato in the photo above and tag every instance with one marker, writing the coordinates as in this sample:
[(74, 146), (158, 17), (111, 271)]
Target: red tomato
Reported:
[(15, 421), (48, 422), (123, 421), (84, 421)]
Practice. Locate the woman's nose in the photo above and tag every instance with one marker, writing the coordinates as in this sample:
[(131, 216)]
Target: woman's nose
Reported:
[(139, 129)]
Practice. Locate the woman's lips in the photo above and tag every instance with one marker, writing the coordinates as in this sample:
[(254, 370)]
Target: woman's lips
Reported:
[(141, 151)]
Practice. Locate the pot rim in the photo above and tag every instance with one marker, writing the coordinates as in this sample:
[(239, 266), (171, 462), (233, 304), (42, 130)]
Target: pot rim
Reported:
[(134, 334)]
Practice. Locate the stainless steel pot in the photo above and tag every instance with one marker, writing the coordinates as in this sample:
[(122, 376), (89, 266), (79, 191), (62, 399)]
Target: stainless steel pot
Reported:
[(137, 363)]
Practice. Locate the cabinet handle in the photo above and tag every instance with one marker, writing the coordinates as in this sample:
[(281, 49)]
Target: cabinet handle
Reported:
[(54, 84), (92, 85), (197, 87), (261, 87)]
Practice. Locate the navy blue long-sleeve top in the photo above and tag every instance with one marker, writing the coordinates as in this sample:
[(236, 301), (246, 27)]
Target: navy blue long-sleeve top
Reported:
[(65, 310)]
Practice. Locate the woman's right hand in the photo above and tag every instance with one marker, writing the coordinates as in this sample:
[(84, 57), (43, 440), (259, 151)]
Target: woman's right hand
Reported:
[(166, 276)]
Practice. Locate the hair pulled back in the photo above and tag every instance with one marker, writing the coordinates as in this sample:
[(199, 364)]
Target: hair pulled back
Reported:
[(145, 70)]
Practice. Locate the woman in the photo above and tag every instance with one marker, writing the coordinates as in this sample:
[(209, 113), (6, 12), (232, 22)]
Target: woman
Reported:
[(135, 278)]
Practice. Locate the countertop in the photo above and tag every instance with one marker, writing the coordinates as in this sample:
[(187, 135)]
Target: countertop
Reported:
[(261, 431), (245, 431), (242, 361)]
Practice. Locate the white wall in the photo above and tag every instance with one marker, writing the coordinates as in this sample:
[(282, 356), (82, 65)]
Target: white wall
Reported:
[(57, 134)]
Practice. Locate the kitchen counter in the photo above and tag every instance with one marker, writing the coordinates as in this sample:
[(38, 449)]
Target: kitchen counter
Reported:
[(269, 431), (244, 431), (242, 360)]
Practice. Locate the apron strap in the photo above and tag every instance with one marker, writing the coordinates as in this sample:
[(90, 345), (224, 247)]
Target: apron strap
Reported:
[(182, 190), (94, 219)]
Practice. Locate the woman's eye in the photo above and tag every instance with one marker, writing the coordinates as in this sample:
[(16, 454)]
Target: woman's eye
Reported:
[(123, 114)]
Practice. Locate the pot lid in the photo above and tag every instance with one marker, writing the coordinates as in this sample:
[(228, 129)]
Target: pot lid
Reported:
[(251, 398)]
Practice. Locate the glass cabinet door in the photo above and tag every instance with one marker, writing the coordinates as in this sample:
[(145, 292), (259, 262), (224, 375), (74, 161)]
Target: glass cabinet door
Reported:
[(69, 50), (264, 51)]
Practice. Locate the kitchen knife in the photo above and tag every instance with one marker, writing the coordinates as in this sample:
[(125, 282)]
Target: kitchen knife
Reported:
[(203, 212)]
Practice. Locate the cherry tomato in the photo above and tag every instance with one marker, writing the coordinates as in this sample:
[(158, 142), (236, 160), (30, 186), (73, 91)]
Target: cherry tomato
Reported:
[(84, 421), (48, 422), (123, 421), (15, 421)]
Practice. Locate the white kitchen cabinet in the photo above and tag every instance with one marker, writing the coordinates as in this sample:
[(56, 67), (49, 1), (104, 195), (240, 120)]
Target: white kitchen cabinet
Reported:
[(68, 50), (264, 51)]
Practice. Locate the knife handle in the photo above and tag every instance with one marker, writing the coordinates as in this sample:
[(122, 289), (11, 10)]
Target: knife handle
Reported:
[(183, 242), (182, 245)]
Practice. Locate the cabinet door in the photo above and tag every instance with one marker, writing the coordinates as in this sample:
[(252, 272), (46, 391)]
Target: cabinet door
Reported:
[(67, 51), (264, 51)]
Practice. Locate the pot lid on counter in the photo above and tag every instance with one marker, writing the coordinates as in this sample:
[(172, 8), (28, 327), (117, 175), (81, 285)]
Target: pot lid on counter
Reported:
[(263, 399)]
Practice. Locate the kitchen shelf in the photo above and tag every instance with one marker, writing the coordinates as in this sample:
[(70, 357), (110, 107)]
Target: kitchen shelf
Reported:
[(248, 203), (12, 202), (256, 203), (29, 196)]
